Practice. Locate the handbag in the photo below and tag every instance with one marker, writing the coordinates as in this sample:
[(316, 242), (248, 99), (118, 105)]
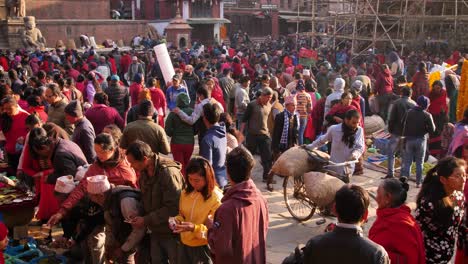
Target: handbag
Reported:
[(402, 139)]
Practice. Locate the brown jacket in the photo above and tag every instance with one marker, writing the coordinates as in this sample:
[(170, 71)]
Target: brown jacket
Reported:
[(160, 195), (147, 131), (271, 119)]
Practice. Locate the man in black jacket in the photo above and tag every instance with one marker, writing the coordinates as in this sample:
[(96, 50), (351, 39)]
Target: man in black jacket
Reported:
[(418, 124), (346, 244), (396, 114)]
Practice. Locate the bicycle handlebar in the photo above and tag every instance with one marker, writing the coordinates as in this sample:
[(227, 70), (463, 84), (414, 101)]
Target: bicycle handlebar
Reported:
[(332, 164)]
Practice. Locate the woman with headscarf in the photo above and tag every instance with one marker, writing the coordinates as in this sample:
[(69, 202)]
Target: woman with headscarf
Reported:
[(438, 109), (181, 133), (452, 83), (135, 88), (420, 82), (92, 87), (396, 64)]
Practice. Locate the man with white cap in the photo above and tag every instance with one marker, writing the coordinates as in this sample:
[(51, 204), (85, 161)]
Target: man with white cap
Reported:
[(333, 98), (134, 68), (121, 205)]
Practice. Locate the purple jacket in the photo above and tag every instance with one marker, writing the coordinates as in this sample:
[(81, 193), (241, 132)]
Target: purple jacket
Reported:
[(101, 115)]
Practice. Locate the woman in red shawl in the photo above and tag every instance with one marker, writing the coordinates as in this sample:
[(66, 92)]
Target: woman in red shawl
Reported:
[(395, 228), (338, 111), (439, 111), (3, 241)]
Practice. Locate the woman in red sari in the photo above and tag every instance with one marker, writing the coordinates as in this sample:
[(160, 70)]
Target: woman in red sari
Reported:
[(338, 111), (439, 111)]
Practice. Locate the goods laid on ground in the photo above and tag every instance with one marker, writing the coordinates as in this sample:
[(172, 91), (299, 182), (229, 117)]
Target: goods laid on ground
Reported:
[(298, 160), (16, 206), (373, 124), (321, 187)]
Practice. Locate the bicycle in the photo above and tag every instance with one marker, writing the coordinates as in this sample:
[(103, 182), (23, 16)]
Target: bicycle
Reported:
[(299, 205)]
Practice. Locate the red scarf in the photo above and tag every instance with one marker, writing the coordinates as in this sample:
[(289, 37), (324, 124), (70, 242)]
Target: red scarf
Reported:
[(438, 102)]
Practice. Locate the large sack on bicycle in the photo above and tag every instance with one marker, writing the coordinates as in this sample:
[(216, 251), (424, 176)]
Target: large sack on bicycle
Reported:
[(298, 160), (321, 187)]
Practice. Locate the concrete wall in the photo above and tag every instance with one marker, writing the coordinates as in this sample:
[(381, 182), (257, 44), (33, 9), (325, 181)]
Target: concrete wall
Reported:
[(68, 9), (54, 30)]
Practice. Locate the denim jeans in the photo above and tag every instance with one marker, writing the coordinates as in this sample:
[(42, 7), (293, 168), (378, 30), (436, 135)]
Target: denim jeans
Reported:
[(392, 148), (302, 127), (415, 149)]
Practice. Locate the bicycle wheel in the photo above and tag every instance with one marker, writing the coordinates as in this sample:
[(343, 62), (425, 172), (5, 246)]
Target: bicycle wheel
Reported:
[(295, 197)]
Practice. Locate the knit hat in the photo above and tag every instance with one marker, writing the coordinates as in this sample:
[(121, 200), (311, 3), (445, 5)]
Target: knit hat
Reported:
[(74, 109), (300, 85), (137, 77), (98, 184), (306, 72), (339, 84), (65, 184), (93, 65), (423, 102), (3, 231), (134, 58), (115, 78), (290, 100), (182, 100), (357, 86)]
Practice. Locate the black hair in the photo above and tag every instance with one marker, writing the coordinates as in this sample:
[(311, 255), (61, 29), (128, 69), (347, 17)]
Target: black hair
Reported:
[(101, 98), (145, 108), (41, 74), (351, 203), (226, 71), (352, 114), (139, 150), (239, 164), (80, 78), (115, 132), (33, 119), (106, 141), (203, 91), (397, 189), (406, 91), (38, 138), (212, 112), (438, 83), (203, 167), (54, 88), (344, 94)]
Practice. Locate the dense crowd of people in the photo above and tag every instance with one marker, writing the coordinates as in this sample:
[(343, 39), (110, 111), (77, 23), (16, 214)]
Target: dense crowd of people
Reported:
[(90, 134)]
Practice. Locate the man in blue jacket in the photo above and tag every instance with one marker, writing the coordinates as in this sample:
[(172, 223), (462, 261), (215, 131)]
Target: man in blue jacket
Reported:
[(214, 143)]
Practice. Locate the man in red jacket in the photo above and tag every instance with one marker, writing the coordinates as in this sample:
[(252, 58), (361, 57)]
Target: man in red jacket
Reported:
[(239, 229), (384, 89)]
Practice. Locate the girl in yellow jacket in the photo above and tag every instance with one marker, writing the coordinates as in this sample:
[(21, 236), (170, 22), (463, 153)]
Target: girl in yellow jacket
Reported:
[(199, 200)]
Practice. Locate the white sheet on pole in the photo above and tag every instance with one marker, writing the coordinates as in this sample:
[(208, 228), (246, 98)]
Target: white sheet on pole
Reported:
[(162, 55)]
